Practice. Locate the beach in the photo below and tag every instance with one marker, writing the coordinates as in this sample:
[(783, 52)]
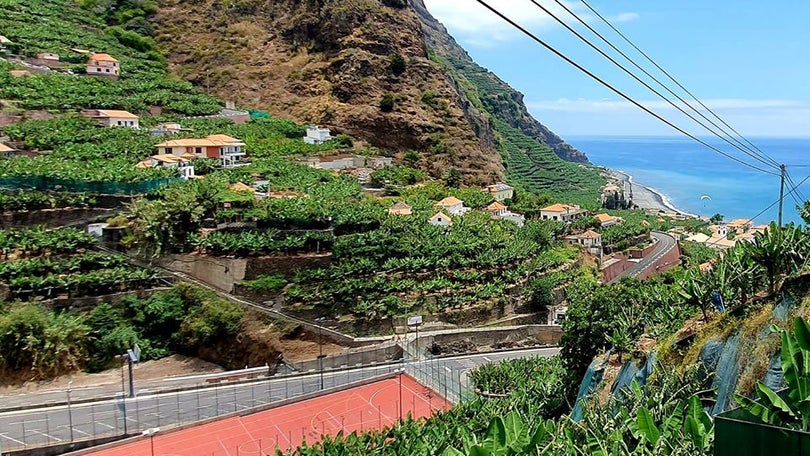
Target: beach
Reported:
[(645, 197)]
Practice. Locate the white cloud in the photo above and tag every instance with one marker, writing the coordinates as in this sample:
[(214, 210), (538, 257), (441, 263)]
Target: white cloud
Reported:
[(623, 17), (751, 117), (475, 25), (612, 106)]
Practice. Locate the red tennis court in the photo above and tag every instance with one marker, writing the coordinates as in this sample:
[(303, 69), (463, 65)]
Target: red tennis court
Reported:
[(371, 406)]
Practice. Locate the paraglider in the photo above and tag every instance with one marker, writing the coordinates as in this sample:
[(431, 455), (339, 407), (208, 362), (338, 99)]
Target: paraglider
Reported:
[(705, 198)]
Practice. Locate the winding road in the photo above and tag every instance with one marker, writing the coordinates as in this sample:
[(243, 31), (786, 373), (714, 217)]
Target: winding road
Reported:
[(665, 244)]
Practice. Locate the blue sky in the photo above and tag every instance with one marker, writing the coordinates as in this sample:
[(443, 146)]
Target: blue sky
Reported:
[(748, 60)]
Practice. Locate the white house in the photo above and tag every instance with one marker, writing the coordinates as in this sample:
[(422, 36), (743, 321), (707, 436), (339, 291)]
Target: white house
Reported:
[(103, 65), (441, 219), (317, 135), (453, 206), (169, 161), (606, 220), (562, 212), (590, 240), (112, 117), (500, 191), (6, 151), (496, 209), (228, 150), (168, 128)]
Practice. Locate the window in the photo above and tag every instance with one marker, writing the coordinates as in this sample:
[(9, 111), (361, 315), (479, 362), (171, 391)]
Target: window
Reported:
[(107, 70), (168, 150), (198, 150), (98, 70)]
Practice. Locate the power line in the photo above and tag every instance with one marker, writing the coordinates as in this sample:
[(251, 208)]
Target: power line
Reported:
[(738, 145), (672, 78), (798, 191), (617, 91)]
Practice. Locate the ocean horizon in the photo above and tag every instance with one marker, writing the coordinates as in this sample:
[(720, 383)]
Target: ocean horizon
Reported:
[(698, 180)]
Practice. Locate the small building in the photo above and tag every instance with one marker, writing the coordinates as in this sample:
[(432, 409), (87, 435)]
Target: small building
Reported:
[(317, 135), (513, 217), (103, 65), (6, 151), (112, 117), (168, 161), (563, 213), (500, 191), (740, 226), (453, 206), (588, 239), (441, 219), (606, 220), (496, 209), (48, 59), (168, 128), (6, 45), (719, 230), (229, 151), (400, 208)]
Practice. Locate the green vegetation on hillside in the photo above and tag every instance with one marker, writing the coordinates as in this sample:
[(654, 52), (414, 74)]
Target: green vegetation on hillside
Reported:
[(530, 164), (36, 342)]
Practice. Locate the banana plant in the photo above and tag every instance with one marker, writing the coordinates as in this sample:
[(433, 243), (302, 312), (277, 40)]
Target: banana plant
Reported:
[(793, 409)]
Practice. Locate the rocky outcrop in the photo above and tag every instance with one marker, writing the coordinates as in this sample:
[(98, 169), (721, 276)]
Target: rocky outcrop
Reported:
[(359, 67), (496, 96)]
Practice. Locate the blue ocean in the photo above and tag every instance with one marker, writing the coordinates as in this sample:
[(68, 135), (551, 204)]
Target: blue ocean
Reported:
[(684, 170)]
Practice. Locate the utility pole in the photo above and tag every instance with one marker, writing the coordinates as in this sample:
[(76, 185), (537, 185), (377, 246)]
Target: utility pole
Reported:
[(782, 173)]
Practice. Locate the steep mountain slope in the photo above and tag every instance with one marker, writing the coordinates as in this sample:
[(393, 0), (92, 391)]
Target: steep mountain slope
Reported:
[(359, 67), (496, 96), (382, 71)]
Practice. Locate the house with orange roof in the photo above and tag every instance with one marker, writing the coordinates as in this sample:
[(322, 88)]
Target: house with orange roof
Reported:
[(168, 161), (589, 240), (112, 117), (227, 150), (453, 206), (400, 208), (563, 212), (496, 209), (440, 219), (606, 220), (6, 151), (102, 64), (739, 226)]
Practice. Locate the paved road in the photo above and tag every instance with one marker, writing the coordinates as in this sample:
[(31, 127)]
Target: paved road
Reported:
[(59, 424), (665, 244)]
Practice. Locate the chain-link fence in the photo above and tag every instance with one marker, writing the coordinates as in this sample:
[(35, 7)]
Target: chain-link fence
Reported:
[(79, 186), (435, 372), (117, 416)]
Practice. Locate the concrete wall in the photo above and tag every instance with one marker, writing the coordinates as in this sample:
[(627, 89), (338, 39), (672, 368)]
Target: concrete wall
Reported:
[(544, 334), (226, 273), (52, 217), (353, 357)]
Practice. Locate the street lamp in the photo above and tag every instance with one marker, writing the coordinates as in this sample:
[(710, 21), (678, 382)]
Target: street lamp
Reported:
[(400, 392), (70, 414), (151, 433)]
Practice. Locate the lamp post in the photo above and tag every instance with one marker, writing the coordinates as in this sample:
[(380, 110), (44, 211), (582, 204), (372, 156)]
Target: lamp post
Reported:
[(321, 356), (70, 412), (151, 433), (400, 392), (123, 392)]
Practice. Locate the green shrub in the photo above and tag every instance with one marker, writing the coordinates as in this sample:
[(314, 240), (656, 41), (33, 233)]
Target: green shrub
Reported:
[(387, 103), (397, 64)]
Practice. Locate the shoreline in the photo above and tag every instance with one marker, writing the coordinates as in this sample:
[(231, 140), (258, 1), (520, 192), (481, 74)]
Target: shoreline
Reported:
[(647, 197)]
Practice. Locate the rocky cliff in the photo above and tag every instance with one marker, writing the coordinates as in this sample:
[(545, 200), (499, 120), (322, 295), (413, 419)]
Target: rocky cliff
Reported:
[(497, 98), (362, 67)]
